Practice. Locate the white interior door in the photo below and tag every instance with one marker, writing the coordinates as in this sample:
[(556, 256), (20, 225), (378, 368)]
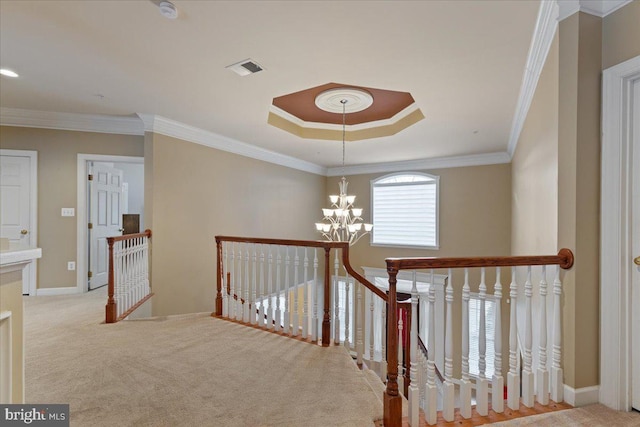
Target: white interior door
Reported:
[(15, 200), (105, 213), (635, 250)]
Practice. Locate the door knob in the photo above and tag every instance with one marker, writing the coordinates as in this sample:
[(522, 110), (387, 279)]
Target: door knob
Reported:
[(23, 232), (636, 260), (120, 229)]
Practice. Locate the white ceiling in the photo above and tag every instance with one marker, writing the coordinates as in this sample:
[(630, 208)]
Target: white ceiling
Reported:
[(463, 62)]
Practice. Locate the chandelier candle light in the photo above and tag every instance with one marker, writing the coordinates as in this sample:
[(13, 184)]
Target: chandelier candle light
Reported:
[(343, 222)]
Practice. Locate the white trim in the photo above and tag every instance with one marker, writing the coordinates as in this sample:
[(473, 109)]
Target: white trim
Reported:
[(599, 8), (543, 34), (581, 396), (350, 128), (71, 121), (81, 210), (174, 129), (32, 269), (57, 291), (424, 164), (615, 233)]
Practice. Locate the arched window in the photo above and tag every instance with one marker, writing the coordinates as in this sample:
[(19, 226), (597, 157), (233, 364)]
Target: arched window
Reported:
[(405, 210)]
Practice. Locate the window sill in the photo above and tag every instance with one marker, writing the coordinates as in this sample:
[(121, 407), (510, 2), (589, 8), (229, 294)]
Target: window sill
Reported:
[(391, 245)]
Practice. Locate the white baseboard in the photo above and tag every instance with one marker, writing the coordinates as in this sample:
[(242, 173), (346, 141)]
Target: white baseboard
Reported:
[(56, 291), (581, 396)]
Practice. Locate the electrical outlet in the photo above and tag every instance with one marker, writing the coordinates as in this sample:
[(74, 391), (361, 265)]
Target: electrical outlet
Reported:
[(71, 265), (68, 212)]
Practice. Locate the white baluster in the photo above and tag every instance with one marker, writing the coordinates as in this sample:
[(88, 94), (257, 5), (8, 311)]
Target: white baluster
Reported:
[(286, 323), (261, 313), (316, 286), (383, 341), (239, 284), (305, 299), (542, 372), (465, 383), (336, 294), (448, 388), (513, 377), (431, 412), (497, 386), (414, 391), (527, 373), (482, 384), (278, 324), (254, 285), (359, 320), (372, 315), (225, 281), (347, 313), (270, 292), (247, 285), (232, 302), (296, 310), (557, 387), (400, 353)]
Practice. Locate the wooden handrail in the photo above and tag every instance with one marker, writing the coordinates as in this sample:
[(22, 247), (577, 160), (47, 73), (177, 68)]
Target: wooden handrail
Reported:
[(564, 259), (283, 242), (146, 233)]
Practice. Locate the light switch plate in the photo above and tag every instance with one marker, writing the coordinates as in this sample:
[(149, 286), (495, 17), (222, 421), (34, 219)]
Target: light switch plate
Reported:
[(71, 265), (68, 212)]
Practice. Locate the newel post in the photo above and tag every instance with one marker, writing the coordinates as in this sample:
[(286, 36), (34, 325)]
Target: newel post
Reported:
[(219, 278), (392, 400), (110, 308), (326, 318)]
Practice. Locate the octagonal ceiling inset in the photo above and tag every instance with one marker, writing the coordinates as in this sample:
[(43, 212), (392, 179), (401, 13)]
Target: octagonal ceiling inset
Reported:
[(389, 113)]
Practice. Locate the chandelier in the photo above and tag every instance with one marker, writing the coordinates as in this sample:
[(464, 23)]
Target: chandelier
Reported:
[(343, 222)]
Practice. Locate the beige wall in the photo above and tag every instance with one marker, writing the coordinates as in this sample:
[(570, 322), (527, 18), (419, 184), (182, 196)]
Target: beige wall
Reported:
[(57, 188), (621, 35), (534, 169), (11, 300), (197, 193), (475, 214)]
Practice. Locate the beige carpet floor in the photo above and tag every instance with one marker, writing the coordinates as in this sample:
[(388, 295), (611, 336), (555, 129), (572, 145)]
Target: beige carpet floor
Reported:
[(591, 416), (190, 370)]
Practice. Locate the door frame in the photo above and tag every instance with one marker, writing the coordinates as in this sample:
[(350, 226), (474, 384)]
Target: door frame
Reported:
[(615, 228), (30, 272), (82, 236)]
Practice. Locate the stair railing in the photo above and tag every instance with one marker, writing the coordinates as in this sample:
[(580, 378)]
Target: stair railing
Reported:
[(549, 381), (128, 279)]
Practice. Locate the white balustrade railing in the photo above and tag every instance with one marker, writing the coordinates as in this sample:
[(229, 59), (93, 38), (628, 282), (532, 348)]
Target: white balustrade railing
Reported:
[(128, 277), (479, 383)]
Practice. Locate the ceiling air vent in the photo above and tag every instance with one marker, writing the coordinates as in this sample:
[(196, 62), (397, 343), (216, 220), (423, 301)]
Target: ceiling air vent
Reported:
[(246, 67)]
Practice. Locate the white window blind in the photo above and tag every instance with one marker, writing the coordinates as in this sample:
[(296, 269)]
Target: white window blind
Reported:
[(474, 335), (405, 210)]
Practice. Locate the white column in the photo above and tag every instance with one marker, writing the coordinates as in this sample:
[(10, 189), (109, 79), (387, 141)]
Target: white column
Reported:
[(527, 373), (513, 377), (296, 310), (261, 313), (556, 367), (286, 322), (448, 388), (316, 291), (497, 396), (270, 290), (279, 285), (431, 412), (542, 380), (305, 297), (482, 384), (465, 382), (414, 391)]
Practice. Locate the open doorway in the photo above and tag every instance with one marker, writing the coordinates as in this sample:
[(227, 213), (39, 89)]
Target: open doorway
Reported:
[(110, 198)]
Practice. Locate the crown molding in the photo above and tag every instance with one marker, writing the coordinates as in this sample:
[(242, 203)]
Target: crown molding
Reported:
[(599, 8), (416, 165), (543, 33), (71, 121), (174, 129)]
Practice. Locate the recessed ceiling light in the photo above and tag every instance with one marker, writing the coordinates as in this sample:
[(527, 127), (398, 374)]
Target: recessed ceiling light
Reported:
[(8, 73), (168, 10)]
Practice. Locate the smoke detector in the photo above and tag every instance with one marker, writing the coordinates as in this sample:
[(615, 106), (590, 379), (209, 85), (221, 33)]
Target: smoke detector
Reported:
[(168, 10), (246, 67)]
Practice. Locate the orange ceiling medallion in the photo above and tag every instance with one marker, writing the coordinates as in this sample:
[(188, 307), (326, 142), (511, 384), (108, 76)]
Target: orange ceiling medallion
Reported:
[(316, 113)]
